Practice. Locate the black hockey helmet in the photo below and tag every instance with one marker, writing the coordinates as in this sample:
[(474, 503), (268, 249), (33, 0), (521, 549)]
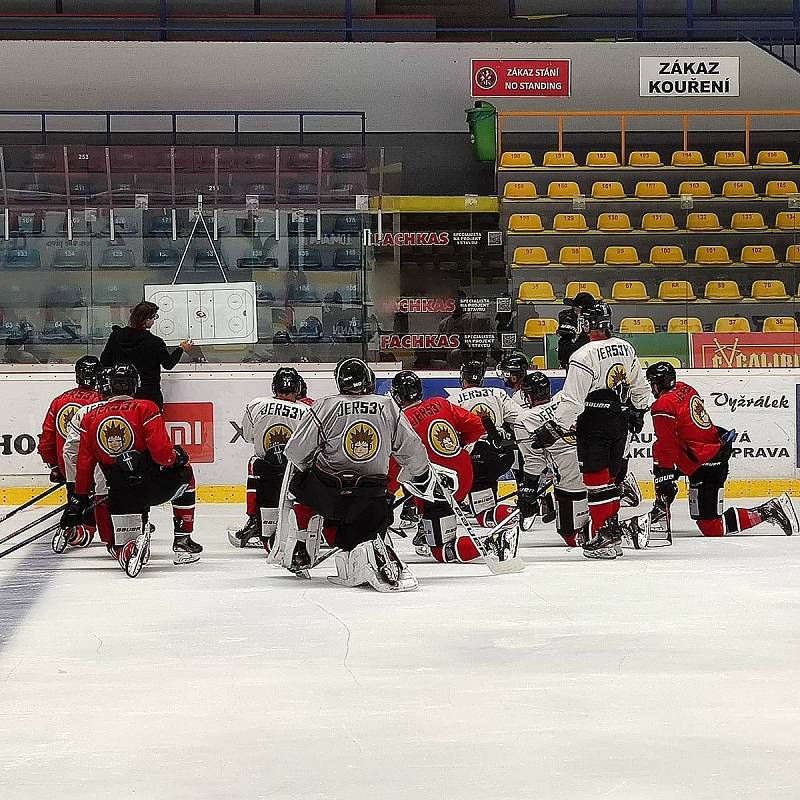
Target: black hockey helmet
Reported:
[(87, 370), (353, 376), (597, 317), (513, 366), (473, 372), (536, 389), (582, 301), (119, 379), (661, 377), (286, 381), (406, 388), (302, 392)]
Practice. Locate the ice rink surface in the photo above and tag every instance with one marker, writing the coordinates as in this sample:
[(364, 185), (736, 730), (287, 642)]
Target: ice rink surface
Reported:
[(669, 673)]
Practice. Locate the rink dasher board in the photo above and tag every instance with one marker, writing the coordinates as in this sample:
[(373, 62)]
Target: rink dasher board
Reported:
[(204, 407)]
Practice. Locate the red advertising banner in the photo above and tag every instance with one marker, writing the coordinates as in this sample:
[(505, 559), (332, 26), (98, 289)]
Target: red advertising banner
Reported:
[(530, 77), (745, 350), (191, 425)]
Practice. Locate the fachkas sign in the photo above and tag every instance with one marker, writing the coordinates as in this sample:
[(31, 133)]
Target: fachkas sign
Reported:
[(530, 77)]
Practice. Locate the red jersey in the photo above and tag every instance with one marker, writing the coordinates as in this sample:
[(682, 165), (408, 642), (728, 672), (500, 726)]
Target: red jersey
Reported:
[(120, 425), (305, 400), (686, 437), (54, 427), (445, 430)]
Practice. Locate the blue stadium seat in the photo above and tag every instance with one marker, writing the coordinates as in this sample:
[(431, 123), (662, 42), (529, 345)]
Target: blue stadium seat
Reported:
[(23, 258), (71, 258), (301, 191), (259, 258), (160, 226), (347, 258), (305, 257), (30, 223), (117, 258), (352, 159), (163, 258), (204, 258), (350, 224)]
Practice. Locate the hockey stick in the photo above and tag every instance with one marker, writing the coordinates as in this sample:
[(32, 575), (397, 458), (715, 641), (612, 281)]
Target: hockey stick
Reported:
[(495, 565), (30, 539), (31, 502), (33, 524)]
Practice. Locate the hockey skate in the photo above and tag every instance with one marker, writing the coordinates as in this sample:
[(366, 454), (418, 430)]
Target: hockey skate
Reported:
[(185, 550), (245, 534), (606, 544), (79, 536), (636, 532), (133, 555), (60, 540), (301, 562), (780, 511), (629, 491), (547, 509), (660, 525), (503, 544), (420, 542)]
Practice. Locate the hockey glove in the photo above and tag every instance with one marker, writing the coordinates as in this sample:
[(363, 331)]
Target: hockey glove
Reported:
[(666, 484), (636, 419), (56, 475), (499, 438), (567, 323), (181, 456), (73, 513), (528, 497), (545, 436)]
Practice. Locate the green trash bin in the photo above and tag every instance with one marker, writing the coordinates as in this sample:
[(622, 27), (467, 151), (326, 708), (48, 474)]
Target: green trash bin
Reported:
[(482, 121)]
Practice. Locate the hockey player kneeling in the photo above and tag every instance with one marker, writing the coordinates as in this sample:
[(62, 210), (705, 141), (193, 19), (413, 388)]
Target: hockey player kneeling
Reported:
[(342, 449), (688, 443), (129, 440), (605, 396)]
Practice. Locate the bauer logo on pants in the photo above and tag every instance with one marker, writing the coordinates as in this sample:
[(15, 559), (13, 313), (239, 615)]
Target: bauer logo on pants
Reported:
[(64, 417), (361, 442), (443, 439), (114, 435)]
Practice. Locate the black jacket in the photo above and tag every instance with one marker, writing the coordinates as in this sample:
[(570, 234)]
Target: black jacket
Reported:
[(147, 352)]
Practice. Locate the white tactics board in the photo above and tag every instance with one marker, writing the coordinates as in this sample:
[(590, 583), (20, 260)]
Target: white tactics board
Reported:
[(207, 313)]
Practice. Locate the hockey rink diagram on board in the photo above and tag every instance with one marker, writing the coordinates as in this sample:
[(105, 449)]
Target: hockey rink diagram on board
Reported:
[(207, 313)]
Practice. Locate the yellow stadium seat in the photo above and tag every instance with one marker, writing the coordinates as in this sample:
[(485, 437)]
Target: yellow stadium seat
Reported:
[(769, 290), (730, 158), (684, 325), (644, 158), (702, 221), (780, 188), (673, 291), (573, 287), (637, 325), (658, 221), (667, 255), (748, 221), (563, 190), (602, 158), (570, 222), (739, 189), (559, 158), (758, 254), (732, 325), (530, 257), (576, 256), (538, 362), (772, 158), (724, 290), (793, 254), (625, 256), (696, 188), (525, 223), (519, 190), (629, 292), (607, 190), (712, 254), (516, 160), (536, 292), (538, 328), (609, 223), (780, 325), (787, 221), (651, 190), (688, 158)]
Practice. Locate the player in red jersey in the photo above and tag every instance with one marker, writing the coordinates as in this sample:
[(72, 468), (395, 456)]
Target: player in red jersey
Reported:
[(688, 443), (129, 440), (61, 411), (445, 429), (303, 396)]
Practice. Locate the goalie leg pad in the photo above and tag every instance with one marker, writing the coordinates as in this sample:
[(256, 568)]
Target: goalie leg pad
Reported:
[(303, 531), (439, 523), (375, 563), (269, 524), (572, 513)]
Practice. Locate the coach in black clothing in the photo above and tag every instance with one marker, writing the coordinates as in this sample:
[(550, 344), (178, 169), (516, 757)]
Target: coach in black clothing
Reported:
[(134, 344)]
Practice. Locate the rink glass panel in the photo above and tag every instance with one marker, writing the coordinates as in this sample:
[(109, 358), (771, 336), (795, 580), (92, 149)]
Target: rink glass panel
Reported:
[(84, 229)]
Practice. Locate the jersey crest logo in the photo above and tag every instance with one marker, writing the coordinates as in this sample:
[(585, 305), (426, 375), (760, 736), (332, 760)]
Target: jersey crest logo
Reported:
[(64, 417), (275, 438), (114, 435), (361, 442), (698, 413), (443, 439), (617, 381), (482, 410)]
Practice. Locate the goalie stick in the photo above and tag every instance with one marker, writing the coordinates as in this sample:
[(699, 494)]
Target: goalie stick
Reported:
[(31, 502), (30, 539), (33, 524)]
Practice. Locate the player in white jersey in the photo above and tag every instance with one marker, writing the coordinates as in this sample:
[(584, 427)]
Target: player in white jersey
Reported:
[(604, 396), (512, 368), (491, 457), (342, 450), (268, 424)]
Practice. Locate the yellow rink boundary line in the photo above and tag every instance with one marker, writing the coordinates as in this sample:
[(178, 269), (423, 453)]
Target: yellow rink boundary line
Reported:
[(16, 495)]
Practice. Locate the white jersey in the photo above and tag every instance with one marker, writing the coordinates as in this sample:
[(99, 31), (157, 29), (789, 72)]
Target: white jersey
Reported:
[(72, 442), (605, 371), (518, 398), (489, 402), (269, 423)]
